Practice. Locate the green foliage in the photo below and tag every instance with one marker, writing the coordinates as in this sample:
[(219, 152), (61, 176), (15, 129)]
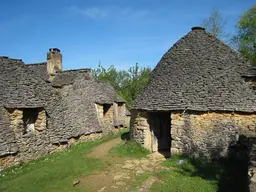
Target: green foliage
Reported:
[(215, 24), (128, 83), (129, 149), (246, 37), (55, 172)]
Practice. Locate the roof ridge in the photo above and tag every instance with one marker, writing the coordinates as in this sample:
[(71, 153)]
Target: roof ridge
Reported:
[(78, 70), (8, 58), (40, 63)]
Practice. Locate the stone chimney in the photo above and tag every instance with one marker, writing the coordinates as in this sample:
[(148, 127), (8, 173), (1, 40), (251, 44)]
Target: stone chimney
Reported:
[(54, 61)]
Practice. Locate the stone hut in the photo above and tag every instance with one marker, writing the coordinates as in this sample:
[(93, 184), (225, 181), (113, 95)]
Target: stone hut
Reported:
[(44, 109), (200, 98)]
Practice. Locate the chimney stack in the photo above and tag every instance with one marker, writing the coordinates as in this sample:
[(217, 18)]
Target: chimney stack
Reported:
[(54, 61)]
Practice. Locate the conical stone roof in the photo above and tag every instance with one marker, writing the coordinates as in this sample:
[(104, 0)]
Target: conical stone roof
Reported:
[(201, 73)]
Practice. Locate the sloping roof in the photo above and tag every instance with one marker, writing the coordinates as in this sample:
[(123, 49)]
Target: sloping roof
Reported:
[(74, 105), (105, 93), (201, 73), (39, 69), (250, 73), (20, 87), (68, 77)]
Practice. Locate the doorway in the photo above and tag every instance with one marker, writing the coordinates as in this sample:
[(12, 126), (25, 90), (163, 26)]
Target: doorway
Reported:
[(160, 131)]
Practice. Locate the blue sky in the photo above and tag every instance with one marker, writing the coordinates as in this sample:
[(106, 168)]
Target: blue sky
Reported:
[(117, 32)]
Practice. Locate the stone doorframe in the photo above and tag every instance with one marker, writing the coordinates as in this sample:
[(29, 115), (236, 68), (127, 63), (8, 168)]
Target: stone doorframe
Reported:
[(143, 132), (160, 128)]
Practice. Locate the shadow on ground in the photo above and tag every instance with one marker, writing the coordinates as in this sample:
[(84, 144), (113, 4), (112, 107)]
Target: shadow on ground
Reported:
[(125, 136), (229, 172)]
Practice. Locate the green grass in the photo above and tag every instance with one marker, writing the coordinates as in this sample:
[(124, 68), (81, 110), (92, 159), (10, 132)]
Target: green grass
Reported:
[(197, 175), (129, 149), (138, 181), (179, 178), (55, 172)]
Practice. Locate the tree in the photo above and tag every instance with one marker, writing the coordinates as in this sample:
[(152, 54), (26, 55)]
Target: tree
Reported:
[(215, 24), (110, 75), (246, 35), (128, 84)]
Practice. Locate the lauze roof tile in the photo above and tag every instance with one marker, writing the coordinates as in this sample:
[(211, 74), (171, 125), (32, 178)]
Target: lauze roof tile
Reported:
[(199, 72)]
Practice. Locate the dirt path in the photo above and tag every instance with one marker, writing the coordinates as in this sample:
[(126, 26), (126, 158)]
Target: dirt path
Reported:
[(121, 172), (101, 151)]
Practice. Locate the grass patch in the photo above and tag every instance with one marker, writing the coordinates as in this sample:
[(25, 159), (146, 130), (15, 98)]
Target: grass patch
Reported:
[(196, 175), (55, 172), (129, 149), (138, 181)]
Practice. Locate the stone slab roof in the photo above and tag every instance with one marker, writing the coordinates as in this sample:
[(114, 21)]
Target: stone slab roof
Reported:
[(106, 94), (103, 91), (68, 77), (200, 73), (250, 73), (72, 110), (20, 87), (39, 69)]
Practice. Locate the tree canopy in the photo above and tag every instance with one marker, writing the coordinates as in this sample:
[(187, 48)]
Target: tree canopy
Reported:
[(128, 83), (215, 24), (246, 34)]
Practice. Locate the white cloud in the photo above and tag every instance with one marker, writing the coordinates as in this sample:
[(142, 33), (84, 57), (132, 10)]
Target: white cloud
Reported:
[(93, 12), (103, 12)]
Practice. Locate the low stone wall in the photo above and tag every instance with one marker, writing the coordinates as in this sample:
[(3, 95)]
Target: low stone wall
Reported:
[(25, 156), (106, 118), (194, 133), (208, 134), (35, 144), (140, 129)]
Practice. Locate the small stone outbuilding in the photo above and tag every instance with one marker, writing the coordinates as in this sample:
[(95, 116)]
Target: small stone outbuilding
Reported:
[(200, 98), (45, 109)]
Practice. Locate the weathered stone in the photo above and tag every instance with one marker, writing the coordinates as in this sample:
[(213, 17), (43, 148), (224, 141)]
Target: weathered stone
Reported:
[(175, 151), (178, 122), (39, 117), (120, 183), (140, 172)]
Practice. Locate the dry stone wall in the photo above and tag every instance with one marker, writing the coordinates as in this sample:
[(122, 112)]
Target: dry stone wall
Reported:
[(72, 112), (105, 115), (194, 133), (208, 134), (140, 129), (65, 124), (34, 144), (8, 143), (31, 145)]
